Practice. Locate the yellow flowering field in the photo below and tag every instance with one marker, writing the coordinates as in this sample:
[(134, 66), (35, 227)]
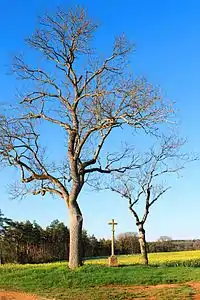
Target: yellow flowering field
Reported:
[(187, 258), (179, 257)]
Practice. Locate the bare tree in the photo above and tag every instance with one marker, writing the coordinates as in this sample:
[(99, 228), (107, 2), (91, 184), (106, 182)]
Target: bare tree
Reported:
[(87, 98), (145, 186), (127, 243)]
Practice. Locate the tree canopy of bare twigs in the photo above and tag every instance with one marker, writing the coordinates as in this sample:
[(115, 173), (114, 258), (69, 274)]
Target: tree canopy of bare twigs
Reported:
[(144, 186), (85, 95)]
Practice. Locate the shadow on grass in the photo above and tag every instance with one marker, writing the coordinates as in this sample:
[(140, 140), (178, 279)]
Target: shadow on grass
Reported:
[(132, 265), (163, 265)]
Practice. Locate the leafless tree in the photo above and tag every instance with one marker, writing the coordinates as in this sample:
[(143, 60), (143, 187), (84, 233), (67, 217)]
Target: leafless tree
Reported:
[(144, 186), (87, 97)]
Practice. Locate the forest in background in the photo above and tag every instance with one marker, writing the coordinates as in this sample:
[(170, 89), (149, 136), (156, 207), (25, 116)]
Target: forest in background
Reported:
[(27, 242)]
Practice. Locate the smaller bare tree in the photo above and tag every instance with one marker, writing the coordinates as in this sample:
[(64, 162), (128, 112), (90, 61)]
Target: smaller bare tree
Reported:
[(145, 185)]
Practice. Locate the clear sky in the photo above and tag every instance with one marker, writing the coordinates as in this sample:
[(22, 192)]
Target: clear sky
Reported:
[(167, 38)]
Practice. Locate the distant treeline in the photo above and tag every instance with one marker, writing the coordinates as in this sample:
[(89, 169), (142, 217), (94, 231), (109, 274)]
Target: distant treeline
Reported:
[(26, 242)]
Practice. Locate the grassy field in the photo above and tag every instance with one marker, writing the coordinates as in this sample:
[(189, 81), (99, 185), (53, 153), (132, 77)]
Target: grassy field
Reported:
[(97, 281)]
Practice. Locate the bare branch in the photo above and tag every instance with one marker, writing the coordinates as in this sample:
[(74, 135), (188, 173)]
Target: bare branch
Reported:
[(141, 184)]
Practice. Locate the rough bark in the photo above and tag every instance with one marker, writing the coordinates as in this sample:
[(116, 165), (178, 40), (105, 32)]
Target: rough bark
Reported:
[(76, 223), (143, 244)]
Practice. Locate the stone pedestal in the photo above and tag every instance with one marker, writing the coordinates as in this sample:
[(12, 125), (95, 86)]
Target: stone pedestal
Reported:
[(112, 261)]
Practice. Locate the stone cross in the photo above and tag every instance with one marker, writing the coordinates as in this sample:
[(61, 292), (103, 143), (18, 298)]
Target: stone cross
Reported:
[(113, 223)]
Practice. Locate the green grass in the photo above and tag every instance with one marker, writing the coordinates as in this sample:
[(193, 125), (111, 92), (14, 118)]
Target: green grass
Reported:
[(97, 281)]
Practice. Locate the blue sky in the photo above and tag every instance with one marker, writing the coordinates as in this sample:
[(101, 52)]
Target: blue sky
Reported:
[(167, 38)]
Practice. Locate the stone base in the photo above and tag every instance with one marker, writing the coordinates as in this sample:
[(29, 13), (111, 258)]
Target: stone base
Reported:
[(112, 261)]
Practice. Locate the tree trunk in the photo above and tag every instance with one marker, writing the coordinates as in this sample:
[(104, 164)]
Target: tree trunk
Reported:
[(143, 244), (76, 223)]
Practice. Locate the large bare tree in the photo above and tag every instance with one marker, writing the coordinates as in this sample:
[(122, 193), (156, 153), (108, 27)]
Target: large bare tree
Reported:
[(144, 186), (87, 97)]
